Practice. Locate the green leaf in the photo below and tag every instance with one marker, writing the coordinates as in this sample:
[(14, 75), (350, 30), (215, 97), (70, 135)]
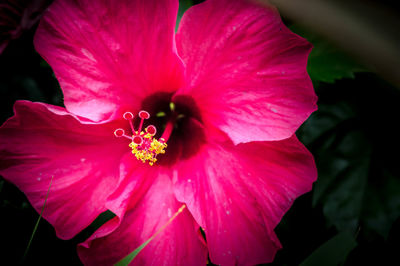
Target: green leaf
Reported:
[(330, 165), (183, 6), (344, 165), (323, 122), (37, 222), (344, 203), (101, 219), (358, 186), (383, 203), (127, 259), (333, 252), (326, 62)]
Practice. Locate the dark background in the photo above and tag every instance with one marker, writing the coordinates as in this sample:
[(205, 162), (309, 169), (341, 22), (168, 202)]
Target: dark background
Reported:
[(350, 218)]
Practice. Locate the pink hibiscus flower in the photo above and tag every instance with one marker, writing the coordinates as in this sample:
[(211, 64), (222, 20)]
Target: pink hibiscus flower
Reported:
[(226, 94)]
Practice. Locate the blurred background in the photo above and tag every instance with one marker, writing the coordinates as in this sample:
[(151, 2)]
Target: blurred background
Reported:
[(351, 217)]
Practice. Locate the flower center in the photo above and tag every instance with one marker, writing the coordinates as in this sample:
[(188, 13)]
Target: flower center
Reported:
[(144, 145)]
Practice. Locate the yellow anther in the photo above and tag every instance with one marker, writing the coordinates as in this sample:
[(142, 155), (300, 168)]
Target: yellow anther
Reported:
[(149, 150)]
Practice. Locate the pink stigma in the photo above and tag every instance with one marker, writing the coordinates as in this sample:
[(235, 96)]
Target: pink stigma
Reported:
[(144, 115), (119, 132), (128, 116), (138, 140), (151, 130)]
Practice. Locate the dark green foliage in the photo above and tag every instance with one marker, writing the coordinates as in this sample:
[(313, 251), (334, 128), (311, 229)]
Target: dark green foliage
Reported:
[(326, 62), (354, 142), (333, 252)]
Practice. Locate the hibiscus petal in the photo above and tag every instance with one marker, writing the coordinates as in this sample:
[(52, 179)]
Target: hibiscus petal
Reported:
[(135, 179), (245, 69), (43, 141), (238, 194), (179, 244), (109, 55)]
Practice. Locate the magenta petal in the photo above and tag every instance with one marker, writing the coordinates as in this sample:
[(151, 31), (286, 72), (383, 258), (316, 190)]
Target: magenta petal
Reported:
[(238, 194), (43, 141), (135, 179), (109, 55), (179, 244), (245, 70)]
